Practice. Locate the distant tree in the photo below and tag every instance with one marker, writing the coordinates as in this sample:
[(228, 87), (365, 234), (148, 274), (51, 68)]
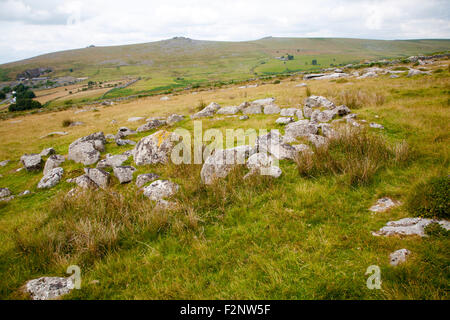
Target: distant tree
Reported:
[(6, 89), (2, 95), (70, 70), (314, 62), (24, 104), (290, 57)]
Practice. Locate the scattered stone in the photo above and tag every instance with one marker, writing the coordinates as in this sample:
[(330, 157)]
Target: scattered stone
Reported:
[(369, 74), (100, 177), (155, 148), (136, 119), (302, 148), (398, 257), (125, 142), (300, 128), (174, 118), (56, 133), (150, 125), (76, 123), (160, 189), (48, 288), (289, 112), (284, 120), (113, 121), (271, 109), (47, 152), (124, 132), (229, 110), (409, 226), (142, 179), (252, 109), (86, 150), (85, 182), (4, 163), (273, 143), (54, 161), (164, 205), (124, 173), (322, 116), (51, 179), (244, 117), (4, 192), (383, 205), (264, 102), (415, 72), (221, 162), (301, 85), (164, 98), (319, 101), (394, 76), (24, 193), (32, 162), (317, 140), (376, 125), (110, 136), (112, 161), (207, 111)]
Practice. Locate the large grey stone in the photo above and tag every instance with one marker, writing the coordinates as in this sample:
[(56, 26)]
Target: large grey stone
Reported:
[(221, 162), (155, 148), (124, 173), (174, 118), (100, 177), (48, 288), (32, 162), (301, 128), (151, 125), (160, 189), (229, 110), (86, 150), (271, 109), (51, 179), (208, 111), (273, 144), (54, 161)]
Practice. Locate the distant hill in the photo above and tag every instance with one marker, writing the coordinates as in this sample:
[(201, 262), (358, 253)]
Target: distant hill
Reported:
[(166, 61)]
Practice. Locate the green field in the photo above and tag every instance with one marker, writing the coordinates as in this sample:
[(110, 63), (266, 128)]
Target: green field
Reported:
[(182, 62)]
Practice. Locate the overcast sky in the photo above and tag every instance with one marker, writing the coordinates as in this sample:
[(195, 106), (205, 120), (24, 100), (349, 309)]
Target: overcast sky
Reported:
[(33, 27)]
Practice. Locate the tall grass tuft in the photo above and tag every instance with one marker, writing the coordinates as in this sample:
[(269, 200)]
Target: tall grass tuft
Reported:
[(353, 153), (357, 98), (86, 227)]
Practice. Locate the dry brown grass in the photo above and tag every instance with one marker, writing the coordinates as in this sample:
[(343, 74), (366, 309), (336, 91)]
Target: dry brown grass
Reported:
[(352, 153)]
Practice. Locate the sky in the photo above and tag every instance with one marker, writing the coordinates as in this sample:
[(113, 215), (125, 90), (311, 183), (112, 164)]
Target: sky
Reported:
[(34, 27)]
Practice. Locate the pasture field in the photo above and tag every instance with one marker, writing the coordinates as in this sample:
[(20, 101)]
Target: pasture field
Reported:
[(294, 237)]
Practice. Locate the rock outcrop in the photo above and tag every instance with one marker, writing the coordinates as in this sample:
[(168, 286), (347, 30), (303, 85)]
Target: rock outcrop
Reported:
[(155, 148)]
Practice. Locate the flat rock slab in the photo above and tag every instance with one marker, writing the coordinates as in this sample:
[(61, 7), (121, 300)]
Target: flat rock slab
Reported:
[(409, 226), (48, 288), (383, 205)]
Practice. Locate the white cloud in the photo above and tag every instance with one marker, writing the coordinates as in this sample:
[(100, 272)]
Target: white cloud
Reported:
[(33, 27)]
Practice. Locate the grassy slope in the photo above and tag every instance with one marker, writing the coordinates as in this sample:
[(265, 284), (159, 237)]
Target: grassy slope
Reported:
[(160, 63), (290, 238)]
